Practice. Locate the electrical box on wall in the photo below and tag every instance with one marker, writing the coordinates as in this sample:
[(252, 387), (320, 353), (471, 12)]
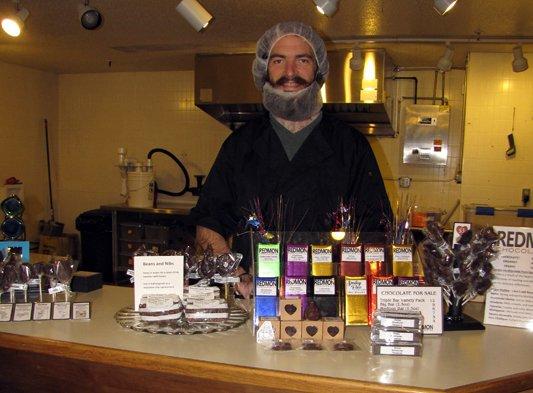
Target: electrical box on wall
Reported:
[(426, 134)]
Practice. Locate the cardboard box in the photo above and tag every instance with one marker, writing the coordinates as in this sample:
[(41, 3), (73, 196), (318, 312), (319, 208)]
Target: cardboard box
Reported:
[(291, 329), (290, 309), (312, 330), (333, 328), (66, 244)]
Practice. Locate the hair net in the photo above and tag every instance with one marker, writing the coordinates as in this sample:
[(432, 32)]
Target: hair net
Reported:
[(272, 35)]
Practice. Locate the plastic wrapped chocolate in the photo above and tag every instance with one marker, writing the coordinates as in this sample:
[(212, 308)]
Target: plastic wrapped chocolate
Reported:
[(311, 345), (403, 320), (397, 349)]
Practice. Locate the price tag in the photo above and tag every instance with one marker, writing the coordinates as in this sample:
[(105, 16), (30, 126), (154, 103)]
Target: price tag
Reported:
[(57, 289)]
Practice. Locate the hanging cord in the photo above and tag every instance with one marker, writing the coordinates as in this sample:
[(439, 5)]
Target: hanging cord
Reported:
[(184, 170), (48, 166)]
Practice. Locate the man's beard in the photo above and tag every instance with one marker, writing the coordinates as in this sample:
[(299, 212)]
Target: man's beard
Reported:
[(292, 105)]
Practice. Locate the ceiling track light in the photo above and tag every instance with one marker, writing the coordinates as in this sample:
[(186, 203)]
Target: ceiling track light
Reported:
[(356, 62), (519, 61), (445, 62), (443, 6), (195, 14), (90, 17), (13, 25), (327, 7)]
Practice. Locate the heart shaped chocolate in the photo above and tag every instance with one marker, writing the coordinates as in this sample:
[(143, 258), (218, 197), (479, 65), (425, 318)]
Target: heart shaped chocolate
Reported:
[(333, 331), (291, 331), (290, 309), (311, 330)]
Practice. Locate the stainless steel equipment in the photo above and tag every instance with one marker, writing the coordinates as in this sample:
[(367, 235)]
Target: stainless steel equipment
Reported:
[(426, 134), (224, 89)]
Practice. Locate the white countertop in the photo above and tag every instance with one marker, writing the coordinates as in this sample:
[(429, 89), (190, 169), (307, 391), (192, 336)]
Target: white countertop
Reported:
[(451, 360)]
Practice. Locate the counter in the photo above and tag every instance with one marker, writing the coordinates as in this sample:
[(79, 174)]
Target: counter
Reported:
[(100, 355)]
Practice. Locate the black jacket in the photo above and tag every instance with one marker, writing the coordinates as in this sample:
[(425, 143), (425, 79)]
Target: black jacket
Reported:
[(334, 162)]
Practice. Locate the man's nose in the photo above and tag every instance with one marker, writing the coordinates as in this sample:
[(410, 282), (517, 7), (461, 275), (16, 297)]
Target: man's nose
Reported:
[(290, 68)]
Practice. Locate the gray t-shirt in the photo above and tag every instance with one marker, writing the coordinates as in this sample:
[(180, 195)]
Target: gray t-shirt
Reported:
[(292, 141)]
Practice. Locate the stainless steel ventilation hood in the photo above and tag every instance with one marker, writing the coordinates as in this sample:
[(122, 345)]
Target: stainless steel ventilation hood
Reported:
[(224, 89)]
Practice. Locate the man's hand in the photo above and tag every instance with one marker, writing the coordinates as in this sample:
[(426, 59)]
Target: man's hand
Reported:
[(245, 287), (206, 237)]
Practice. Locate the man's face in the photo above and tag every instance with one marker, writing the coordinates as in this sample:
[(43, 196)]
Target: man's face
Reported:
[(291, 66)]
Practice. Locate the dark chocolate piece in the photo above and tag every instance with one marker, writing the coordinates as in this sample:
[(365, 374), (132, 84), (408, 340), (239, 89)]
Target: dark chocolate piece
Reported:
[(343, 346), (311, 346), (312, 312), (282, 346)]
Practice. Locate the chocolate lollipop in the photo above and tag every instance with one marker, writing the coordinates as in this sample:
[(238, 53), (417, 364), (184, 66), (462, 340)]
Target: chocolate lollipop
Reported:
[(24, 275), (224, 264), (8, 279), (37, 271), (64, 271), (51, 277)]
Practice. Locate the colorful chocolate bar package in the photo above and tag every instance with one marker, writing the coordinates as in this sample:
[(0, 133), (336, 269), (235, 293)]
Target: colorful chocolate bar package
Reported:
[(321, 260), (375, 260), (268, 260), (373, 283), (351, 260), (296, 260), (356, 300), (325, 295), (402, 260)]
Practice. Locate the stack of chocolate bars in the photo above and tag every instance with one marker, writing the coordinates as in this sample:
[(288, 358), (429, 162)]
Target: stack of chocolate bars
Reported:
[(397, 333), (341, 279)]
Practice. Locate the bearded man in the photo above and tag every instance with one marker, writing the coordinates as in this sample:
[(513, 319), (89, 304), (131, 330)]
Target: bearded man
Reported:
[(296, 152)]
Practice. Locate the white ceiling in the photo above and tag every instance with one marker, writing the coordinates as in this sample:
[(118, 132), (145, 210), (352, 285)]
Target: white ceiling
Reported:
[(150, 35)]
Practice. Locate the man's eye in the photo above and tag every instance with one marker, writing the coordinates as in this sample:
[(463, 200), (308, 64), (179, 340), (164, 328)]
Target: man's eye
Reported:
[(276, 61), (304, 60)]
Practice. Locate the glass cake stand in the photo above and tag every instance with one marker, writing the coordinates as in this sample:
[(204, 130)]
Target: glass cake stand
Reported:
[(129, 318)]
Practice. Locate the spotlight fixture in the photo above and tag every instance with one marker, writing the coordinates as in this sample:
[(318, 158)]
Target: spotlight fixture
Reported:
[(356, 62), (445, 62), (327, 7), (519, 61), (90, 17), (14, 24), (443, 6), (194, 13)]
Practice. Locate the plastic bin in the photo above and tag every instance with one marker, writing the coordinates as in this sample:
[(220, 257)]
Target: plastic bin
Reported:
[(96, 242)]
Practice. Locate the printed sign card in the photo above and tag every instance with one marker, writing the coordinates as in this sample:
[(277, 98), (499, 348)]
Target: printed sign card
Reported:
[(61, 310), (22, 312), (158, 275), (42, 311), (509, 301), (427, 300), (81, 310), (5, 312)]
